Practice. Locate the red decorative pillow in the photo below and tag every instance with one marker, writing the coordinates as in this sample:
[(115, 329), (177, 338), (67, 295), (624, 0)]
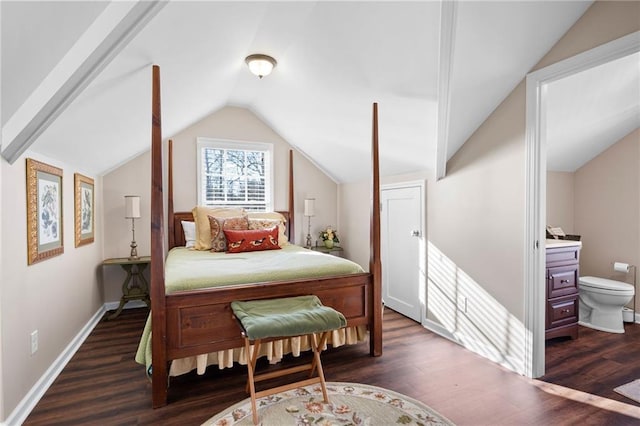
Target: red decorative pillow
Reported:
[(251, 240)]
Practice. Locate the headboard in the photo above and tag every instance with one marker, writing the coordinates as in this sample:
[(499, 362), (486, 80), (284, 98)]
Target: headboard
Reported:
[(178, 234)]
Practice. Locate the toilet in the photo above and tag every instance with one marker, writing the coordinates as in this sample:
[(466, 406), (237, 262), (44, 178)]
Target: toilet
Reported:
[(601, 303)]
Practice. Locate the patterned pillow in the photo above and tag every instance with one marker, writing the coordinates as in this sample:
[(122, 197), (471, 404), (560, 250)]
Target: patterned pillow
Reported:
[(201, 218), (252, 240), (270, 222), (219, 224)]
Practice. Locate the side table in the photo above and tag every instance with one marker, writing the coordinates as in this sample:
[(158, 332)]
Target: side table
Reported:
[(335, 250), (135, 286)]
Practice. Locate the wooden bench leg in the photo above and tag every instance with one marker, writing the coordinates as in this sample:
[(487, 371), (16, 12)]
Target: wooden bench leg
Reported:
[(250, 367), (315, 364), (252, 358), (316, 358), (323, 341)]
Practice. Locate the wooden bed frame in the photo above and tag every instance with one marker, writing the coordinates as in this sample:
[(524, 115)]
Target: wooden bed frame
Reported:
[(189, 323)]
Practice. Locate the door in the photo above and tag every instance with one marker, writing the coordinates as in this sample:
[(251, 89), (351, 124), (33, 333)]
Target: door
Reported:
[(401, 239)]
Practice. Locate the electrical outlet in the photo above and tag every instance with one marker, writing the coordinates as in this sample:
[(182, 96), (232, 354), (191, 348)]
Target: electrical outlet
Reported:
[(462, 304), (34, 341)]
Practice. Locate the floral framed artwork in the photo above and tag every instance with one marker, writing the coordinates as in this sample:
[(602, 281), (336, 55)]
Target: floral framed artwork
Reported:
[(84, 209), (44, 211)]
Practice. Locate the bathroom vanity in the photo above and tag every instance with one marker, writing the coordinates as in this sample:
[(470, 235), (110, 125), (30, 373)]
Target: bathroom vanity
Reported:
[(562, 288)]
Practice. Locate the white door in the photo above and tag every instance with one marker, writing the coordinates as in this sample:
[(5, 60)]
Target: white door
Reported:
[(401, 235)]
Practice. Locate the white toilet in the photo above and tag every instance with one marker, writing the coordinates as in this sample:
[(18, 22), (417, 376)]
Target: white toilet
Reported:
[(601, 303)]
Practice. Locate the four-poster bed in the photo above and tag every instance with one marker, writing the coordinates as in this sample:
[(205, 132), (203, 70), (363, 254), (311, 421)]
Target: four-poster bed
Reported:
[(190, 323)]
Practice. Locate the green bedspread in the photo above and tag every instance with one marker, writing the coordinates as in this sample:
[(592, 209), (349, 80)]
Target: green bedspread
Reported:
[(190, 269)]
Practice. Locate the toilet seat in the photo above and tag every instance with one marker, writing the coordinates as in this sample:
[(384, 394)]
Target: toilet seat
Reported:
[(606, 286)]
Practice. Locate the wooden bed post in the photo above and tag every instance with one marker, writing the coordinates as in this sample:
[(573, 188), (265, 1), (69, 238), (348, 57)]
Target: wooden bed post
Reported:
[(159, 376), (375, 266), (172, 242), (292, 207)]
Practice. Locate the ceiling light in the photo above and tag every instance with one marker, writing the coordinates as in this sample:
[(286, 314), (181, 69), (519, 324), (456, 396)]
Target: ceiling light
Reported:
[(260, 65)]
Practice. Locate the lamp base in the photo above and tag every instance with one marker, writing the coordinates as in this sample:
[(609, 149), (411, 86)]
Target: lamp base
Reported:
[(308, 242), (134, 251)]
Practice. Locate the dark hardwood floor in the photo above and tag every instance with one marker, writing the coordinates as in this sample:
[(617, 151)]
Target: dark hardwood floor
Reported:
[(596, 362), (103, 385)]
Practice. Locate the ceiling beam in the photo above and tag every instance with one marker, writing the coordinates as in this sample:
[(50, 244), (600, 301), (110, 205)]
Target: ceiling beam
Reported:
[(91, 53), (447, 43)]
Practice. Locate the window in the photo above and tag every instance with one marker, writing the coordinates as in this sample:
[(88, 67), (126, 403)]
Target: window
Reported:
[(235, 174)]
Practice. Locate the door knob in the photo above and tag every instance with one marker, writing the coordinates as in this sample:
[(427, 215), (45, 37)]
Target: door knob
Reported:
[(415, 233)]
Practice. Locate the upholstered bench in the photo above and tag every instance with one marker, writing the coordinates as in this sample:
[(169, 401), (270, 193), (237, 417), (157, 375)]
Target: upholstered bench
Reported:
[(272, 319)]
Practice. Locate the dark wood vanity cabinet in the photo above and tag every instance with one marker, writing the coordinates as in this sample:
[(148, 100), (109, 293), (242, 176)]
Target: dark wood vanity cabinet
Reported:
[(562, 291)]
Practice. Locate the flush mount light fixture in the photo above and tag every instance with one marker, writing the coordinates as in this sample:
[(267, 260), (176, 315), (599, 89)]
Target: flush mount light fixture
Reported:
[(260, 64)]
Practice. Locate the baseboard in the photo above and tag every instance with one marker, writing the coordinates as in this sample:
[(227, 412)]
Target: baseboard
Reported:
[(477, 347), (439, 330), (110, 306), (20, 413)]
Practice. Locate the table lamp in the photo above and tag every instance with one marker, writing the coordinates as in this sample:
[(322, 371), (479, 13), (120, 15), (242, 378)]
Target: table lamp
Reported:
[(309, 210), (132, 211)]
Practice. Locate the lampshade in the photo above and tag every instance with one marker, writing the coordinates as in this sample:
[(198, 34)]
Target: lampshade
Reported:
[(260, 64), (131, 206), (309, 206)]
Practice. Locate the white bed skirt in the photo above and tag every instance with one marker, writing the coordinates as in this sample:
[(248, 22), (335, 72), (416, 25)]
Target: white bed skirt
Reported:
[(274, 351)]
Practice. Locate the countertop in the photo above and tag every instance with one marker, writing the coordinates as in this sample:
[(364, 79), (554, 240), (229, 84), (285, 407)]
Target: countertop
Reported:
[(552, 243)]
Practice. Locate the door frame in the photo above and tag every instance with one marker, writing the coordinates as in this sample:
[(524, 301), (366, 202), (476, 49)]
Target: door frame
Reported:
[(422, 256), (536, 179)]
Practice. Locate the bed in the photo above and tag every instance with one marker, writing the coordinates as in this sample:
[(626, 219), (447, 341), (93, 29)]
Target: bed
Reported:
[(188, 323)]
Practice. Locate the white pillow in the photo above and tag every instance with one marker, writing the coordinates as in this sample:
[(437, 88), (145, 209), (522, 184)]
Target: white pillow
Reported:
[(189, 229)]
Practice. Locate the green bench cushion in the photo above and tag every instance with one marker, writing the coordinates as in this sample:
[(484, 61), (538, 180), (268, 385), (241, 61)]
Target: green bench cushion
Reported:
[(289, 316)]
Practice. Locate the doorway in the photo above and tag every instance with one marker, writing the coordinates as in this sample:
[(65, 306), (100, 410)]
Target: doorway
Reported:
[(535, 221), (402, 248)]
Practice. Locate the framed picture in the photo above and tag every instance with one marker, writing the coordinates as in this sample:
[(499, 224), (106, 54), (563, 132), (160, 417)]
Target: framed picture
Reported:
[(44, 211), (84, 209)]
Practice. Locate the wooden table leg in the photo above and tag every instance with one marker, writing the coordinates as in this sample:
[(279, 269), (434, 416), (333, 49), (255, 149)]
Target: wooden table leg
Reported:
[(138, 290)]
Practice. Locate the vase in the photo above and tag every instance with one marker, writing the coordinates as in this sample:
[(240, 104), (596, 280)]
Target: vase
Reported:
[(328, 244)]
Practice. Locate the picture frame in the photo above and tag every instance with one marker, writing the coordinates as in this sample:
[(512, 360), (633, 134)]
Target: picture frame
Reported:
[(44, 211), (84, 209)]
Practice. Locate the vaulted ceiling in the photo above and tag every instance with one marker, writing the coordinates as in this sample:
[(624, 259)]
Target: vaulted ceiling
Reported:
[(437, 70)]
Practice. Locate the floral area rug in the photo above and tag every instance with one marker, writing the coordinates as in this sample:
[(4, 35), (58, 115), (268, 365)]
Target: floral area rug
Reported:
[(349, 404), (630, 390)]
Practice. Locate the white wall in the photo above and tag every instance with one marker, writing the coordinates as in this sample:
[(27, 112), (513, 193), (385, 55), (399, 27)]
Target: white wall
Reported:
[(476, 213), (560, 203), (57, 296), (229, 123), (607, 209), (476, 235), (354, 221)]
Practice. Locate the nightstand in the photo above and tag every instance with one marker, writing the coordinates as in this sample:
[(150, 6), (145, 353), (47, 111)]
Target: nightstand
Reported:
[(135, 286), (335, 250)]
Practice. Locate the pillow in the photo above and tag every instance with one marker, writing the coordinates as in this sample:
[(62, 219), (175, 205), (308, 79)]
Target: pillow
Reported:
[(219, 224), (203, 228), (264, 220), (251, 240), (189, 229)]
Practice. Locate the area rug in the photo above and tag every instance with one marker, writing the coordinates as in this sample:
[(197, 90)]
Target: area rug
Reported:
[(349, 404), (630, 390)]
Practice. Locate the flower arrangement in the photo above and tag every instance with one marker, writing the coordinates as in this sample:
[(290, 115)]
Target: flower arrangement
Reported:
[(329, 234)]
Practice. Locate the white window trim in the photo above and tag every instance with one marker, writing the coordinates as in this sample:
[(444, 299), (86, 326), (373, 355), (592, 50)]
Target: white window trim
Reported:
[(202, 142)]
